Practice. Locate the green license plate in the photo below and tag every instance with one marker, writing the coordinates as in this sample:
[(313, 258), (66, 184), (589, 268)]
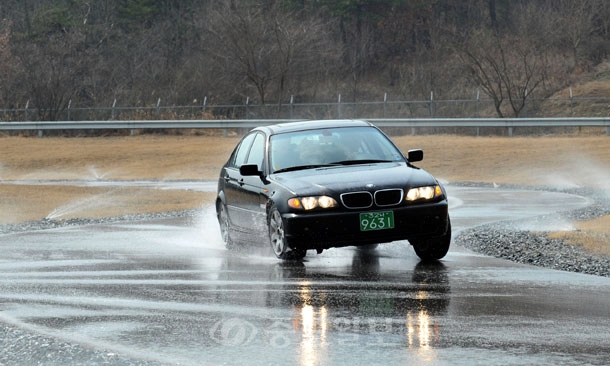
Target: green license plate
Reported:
[(376, 220)]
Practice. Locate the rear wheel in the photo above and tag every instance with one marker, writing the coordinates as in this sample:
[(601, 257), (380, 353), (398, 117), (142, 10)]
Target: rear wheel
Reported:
[(433, 248), (277, 238), (225, 226), (369, 248)]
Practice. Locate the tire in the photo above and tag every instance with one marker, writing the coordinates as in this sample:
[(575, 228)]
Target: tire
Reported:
[(225, 226), (277, 238), (432, 249)]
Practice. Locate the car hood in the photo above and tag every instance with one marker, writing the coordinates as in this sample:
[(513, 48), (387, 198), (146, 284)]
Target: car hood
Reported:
[(353, 178)]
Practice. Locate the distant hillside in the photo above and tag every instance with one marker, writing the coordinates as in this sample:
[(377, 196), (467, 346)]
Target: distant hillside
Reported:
[(590, 93), (88, 54)]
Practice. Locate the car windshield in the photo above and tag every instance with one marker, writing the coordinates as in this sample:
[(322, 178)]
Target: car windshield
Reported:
[(332, 146)]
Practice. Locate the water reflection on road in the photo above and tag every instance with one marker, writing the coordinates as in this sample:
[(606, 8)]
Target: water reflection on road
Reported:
[(344, 307)]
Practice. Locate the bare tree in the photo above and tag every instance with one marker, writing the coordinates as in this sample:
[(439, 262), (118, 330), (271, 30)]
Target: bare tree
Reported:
[(576, 23), (51, 73), (10, 64), (268, 47), (505, 68)]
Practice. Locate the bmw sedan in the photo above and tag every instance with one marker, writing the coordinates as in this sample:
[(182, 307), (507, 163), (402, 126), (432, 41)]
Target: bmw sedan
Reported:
[(315, 185)]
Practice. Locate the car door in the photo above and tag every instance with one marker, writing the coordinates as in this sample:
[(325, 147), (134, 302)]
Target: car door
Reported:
[(234, 193), (242, 193), (253, 189)]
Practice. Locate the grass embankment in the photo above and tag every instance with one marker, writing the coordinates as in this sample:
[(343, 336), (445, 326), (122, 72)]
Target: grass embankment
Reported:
[(566, 161), (110, 158)]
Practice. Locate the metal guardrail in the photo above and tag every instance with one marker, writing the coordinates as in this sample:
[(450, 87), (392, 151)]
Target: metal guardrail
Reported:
[(508, 123)]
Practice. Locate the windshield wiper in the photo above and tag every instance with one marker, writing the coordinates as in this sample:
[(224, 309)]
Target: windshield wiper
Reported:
[(336, 163), (361, 161), (304, 167)]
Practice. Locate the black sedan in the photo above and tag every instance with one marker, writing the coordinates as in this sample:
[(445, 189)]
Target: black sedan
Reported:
[(322, 184)]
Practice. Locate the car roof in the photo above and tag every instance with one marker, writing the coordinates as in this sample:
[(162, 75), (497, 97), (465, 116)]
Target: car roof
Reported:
[(312, 125)]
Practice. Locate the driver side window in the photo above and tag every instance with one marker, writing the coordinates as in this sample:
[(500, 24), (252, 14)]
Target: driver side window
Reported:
[(241, 152), (257, 151)]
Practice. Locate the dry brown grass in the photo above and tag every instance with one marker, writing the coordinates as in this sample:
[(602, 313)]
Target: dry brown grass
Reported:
[(112, 158), (596, 85), (21, 203), (593, 235), (567, 160), (137, 157), (581, 161)]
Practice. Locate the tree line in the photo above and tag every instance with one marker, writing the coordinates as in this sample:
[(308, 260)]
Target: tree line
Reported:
[(90, 53)]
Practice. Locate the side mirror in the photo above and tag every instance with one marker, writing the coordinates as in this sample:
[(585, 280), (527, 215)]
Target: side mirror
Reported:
[(250, 170), (415, 155)]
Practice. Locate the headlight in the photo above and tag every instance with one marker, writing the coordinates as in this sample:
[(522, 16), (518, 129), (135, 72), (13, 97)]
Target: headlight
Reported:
[(309, 203), (424, 193)]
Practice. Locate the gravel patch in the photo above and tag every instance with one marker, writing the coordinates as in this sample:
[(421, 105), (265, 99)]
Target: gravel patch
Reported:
[(506, 240), (20, 347), (46, 224)]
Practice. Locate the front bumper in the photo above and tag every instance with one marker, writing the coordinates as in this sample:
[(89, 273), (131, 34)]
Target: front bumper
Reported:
[(323, 230)]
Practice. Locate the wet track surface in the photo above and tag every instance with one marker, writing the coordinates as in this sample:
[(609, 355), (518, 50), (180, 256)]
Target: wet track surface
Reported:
[(167, 291)]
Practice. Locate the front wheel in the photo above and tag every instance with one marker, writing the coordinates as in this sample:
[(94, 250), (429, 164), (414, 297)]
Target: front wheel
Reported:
[(277, 238), (433, 248)]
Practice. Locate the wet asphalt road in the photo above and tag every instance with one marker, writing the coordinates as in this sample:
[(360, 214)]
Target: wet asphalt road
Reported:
[(167, 291)]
